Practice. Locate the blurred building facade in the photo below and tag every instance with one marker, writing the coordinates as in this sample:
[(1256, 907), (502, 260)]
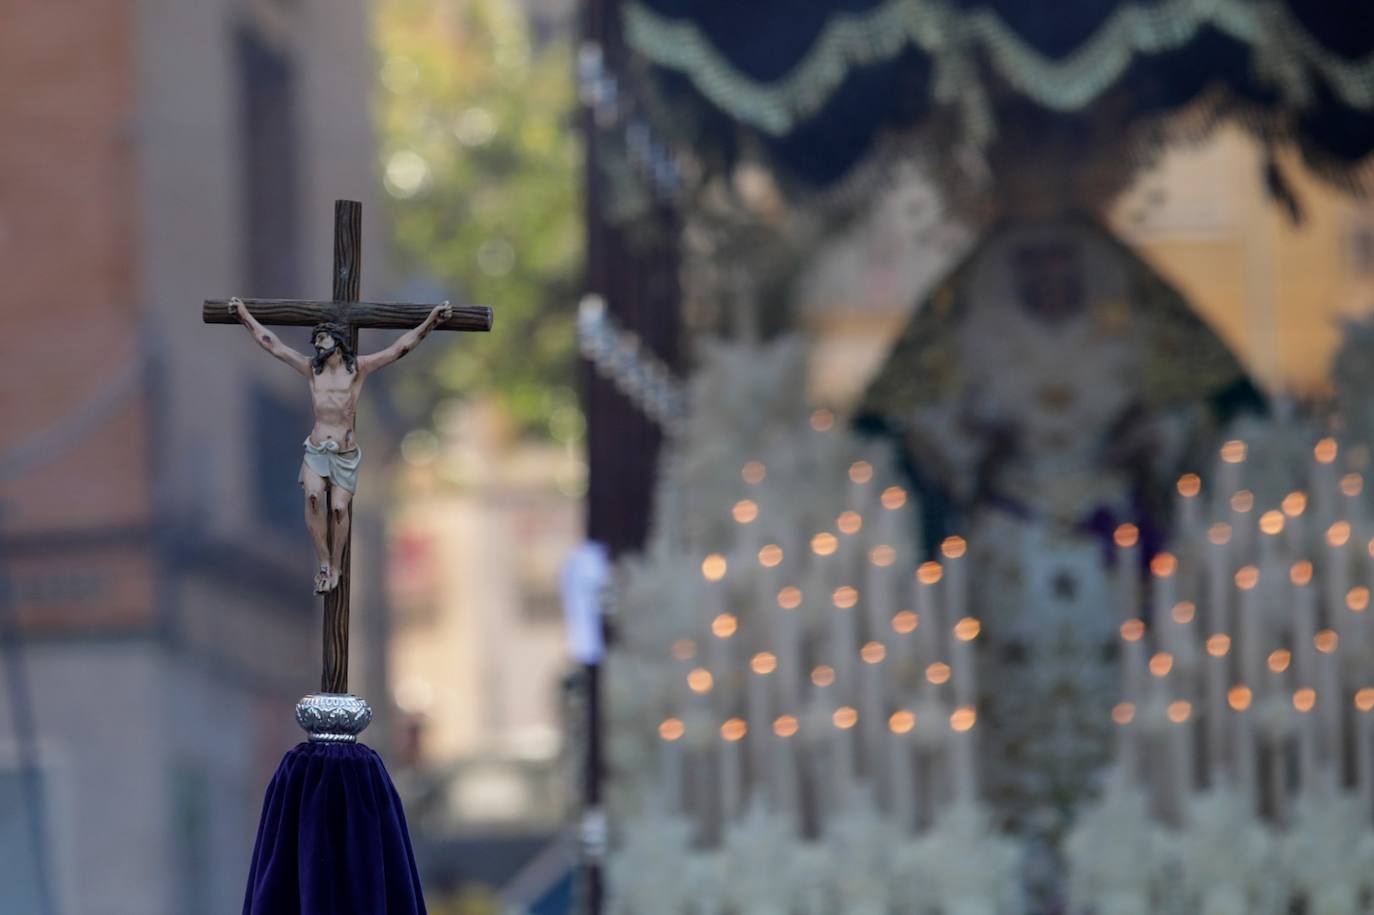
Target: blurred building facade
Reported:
[(151, 547), (482, 525)]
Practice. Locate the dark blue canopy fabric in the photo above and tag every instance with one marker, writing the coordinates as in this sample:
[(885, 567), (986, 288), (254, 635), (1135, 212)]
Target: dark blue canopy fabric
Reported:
[(333, 839), (819, 82)]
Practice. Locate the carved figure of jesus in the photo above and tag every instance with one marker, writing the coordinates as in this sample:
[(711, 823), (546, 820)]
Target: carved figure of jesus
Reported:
[(329, 470)]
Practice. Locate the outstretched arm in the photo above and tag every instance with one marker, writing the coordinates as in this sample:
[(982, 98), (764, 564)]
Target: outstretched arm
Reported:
[(406, 342), (268, 340)]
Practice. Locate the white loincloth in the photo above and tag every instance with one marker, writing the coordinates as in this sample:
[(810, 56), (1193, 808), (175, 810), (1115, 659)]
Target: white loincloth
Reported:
[(339, 467)]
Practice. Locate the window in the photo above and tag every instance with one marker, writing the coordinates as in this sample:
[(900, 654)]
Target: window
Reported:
[(269, 151)]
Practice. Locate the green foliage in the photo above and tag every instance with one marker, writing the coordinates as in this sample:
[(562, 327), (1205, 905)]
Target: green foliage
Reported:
[(482, 164)]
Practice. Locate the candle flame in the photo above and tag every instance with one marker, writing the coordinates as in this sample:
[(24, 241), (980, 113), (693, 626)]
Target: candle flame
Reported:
[(1325, 451), (713, 567), (882, 555), (1247, 577), (1352, 484), (849, 522), (734, 729), (1338, 534), (953, 547), (790, 597), (823, 675), (1180, 711), (700, 681), (938, 673), (905, 621), (745, 511), (1218, 644), (1271, 523), (1304, 699), (1279, 659), (860, 471), (1126, 535), (1357, 599), (724, 625), (1239, 698), (1233, 452), (1326, 641), (764, 663), (1123, 713), (1294, 504), (1184, 611), (873, 652), (770, 555), (845, 717), (845, 597), (901, 722), (824, 543), (1242, 501), (671, 729), (1161, 663), (1189, 485), (967, 629), (1163, 565), (929, 573), (1300, 573), (893, 497), (786, 725), (1364, 700), (963, 718), (1219, 533), (1133, 630)]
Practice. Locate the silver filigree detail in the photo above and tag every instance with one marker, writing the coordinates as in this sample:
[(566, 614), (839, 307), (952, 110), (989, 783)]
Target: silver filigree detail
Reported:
[(333, 717)]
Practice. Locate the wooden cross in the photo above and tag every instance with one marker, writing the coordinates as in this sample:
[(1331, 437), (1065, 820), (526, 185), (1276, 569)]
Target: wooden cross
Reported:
[(344, 309)]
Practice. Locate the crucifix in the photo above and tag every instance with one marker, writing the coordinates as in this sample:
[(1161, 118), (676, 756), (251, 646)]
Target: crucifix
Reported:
[(328, 473)]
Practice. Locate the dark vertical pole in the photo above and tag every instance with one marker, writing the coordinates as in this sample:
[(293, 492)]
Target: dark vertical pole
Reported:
[(348, 266), (635, 272), (25, 737)]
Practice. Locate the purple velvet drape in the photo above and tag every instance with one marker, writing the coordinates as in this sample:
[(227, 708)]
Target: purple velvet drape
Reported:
[(333, 839)]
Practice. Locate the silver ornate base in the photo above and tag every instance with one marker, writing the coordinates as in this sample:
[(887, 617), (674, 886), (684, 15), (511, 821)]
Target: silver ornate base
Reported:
[(333, 717)]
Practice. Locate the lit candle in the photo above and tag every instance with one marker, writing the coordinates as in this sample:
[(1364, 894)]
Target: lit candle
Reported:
[(902, 773), (759, 709), (730, 753), (784, 788), (962, 662), (956, 577), (1307, 738), (1133, 659), (670, 764), (1217, 676), (963, 756), (1243, 750), (1328, 688), (928, 648), (1127, 538), (1364, 749), (1180, 737), (871, 711), (1250, 626), (787, 612), (1189, 506)]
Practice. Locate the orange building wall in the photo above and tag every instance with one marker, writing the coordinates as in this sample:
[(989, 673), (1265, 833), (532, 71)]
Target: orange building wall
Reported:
[(70, 321)]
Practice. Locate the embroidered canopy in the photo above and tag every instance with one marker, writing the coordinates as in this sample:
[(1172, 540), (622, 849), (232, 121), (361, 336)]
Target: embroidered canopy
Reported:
[(819, 82)]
